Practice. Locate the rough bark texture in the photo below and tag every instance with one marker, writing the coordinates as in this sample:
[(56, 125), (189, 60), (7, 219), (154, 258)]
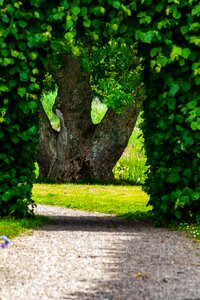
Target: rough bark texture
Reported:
[(81, 149)]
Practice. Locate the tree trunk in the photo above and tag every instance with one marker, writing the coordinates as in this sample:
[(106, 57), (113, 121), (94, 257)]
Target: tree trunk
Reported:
[(81, 149)]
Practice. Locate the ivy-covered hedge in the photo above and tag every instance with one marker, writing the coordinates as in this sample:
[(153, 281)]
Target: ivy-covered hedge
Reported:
[(172, 107), (167, 33), (21, 71)]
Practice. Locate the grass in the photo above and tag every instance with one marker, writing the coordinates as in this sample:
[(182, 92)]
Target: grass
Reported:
[(124, 201), (12, 227), (131, 167)]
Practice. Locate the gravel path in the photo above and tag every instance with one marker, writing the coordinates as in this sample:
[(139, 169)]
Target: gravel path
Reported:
[(97, 256)]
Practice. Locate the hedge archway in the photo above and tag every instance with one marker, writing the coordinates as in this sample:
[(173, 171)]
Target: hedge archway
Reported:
[(167, 33)]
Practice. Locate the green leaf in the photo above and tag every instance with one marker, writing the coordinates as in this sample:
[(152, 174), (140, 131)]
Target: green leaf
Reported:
[(196, 196), (22, 23), (162, 60), (75, 10), (195, 26), (69, 24), (69, 36), (87, 23), (177, 193), (15, 53), (12, 82), (174, 88), (15, 139), (188, 140), (76, 51), (176, 14), (196, 10), (159, 7), (6, 196), (65, 4), (178, 214), (197, 80), (195, 66), (171, 103), (7, 61), (84, 11), (32, 104), (187, 172), (23, 76), (123, 29), (162, 124), (185, 85), (173, 178), (21, 91), (28, 134), (116, 4), (176, 51), (33, 55), (195, 40), (185, 52), (184, 29), (115, 27), (148, 38), (5, 52), (5, 19), (3, 88), (195, 125), (154, 52), (192, 104)]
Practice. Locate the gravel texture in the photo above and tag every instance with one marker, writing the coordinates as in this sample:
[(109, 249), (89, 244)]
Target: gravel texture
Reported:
[(96, 256)]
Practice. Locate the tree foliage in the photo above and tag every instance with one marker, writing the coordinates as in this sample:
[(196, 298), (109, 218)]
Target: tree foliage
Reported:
[(34, 32)]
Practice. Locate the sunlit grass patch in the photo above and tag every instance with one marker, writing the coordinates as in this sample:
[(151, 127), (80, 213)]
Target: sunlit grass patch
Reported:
[(118, 200), (12, 227)]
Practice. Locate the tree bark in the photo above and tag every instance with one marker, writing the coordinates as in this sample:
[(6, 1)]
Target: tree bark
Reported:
[(81, 149)]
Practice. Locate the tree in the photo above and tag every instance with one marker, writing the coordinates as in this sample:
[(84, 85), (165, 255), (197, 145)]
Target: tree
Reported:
[(81, 149)]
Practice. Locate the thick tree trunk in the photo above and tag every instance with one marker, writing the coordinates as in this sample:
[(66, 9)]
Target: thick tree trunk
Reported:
[(81, 149)]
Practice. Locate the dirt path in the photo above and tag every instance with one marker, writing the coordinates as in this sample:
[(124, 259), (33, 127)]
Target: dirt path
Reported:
[(96, 256)]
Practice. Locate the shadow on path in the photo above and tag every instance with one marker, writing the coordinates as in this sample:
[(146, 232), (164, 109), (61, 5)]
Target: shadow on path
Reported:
[(95, 223), (143, 262)]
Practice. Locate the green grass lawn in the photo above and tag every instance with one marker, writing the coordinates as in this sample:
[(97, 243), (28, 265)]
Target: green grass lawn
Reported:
[(124, 201), (12, 227)]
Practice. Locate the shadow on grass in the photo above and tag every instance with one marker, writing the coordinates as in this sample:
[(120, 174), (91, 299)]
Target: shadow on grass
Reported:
[(90, 180)]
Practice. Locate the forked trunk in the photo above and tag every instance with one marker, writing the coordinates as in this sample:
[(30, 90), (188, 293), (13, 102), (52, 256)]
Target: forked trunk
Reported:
[(81, 149)]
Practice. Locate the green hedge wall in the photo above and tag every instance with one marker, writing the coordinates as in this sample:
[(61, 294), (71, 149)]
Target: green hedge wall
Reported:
[(21, 72), (172, 109)]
